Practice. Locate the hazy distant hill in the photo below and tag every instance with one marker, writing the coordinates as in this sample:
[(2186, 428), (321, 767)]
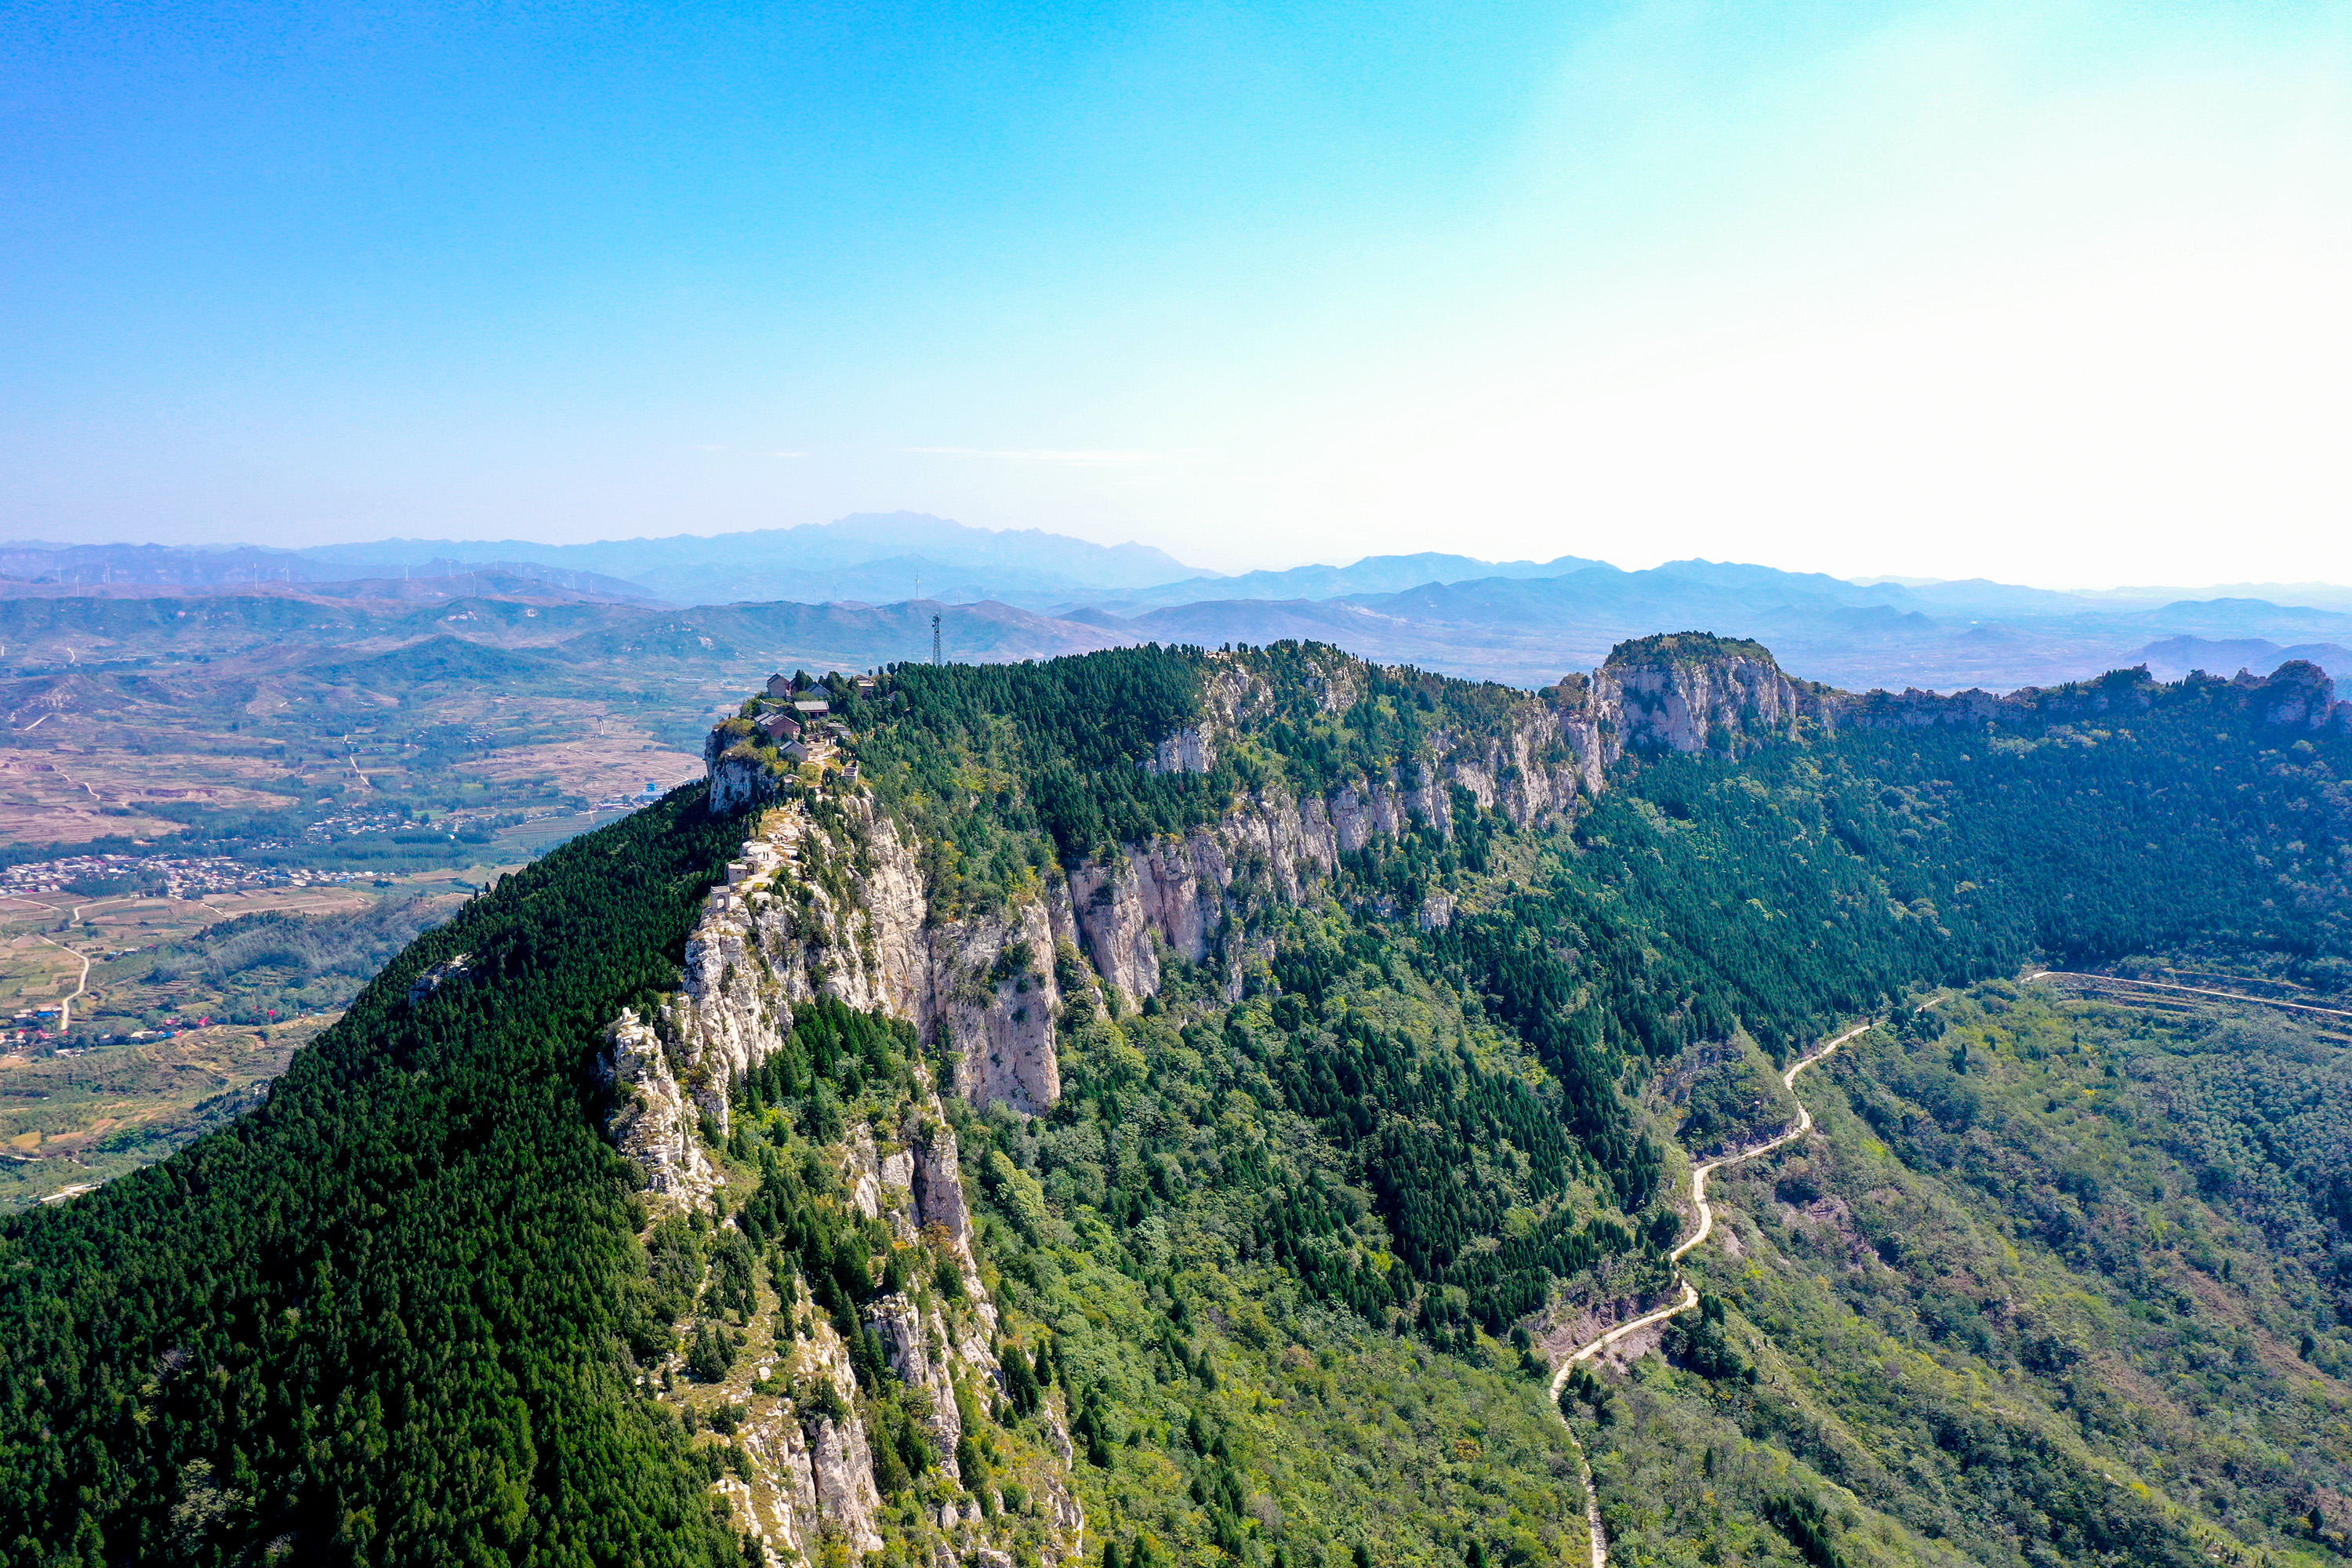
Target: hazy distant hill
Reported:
[(1373, 574), (860, 591), (2173, 657), (844, 637), (1526, 630), (892, 555), (443, 659), (35, 570)]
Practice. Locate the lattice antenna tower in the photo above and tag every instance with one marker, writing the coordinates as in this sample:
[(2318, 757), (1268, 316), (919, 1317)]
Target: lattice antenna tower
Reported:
[(935, 640)]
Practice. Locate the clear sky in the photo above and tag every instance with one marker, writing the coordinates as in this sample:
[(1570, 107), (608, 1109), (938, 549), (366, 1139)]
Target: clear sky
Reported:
[(2050, 293)]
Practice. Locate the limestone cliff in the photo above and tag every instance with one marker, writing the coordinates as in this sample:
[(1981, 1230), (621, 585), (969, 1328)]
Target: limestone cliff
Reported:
[(832, 903), (828, 901), (652, 1122), (1693, 692), (828, 897), (804, 1483)]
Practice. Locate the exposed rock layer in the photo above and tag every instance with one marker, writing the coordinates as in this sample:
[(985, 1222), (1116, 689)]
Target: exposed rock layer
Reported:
[(836, 907)]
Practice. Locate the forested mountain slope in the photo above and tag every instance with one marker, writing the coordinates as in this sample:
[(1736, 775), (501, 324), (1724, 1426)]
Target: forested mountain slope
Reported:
[(1155, 1108)]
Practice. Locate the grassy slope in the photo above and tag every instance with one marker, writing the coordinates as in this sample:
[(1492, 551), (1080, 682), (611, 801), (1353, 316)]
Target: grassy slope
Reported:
[(1998, 1306)]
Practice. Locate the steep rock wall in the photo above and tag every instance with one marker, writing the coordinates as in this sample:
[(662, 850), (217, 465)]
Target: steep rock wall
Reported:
[(1725, 699), (841, 911), (811, 911), (834, 908), (811, 1482), (652, 1120)]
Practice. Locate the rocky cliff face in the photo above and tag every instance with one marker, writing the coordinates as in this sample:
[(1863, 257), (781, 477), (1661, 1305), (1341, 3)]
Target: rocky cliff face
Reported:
[(806, 1487), (812, 1460), (1691, 692), (652, 1122), (830, 904), (837, 907)]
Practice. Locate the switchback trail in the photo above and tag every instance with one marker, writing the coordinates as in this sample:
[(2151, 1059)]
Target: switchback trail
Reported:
[(1689, 1294)]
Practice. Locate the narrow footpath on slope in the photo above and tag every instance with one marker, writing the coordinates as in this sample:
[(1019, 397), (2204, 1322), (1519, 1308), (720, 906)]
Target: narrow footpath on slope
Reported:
[(1687, 1297)]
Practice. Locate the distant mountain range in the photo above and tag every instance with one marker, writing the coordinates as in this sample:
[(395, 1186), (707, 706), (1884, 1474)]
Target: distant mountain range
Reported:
[(860, 591), (871, 556)]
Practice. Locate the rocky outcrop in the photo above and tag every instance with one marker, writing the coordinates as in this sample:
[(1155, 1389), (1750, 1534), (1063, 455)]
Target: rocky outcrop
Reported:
[(448, 972), (1180, 894), (1693, 692), (812, 1465), (1174, 894), (839, 910), (2300, 696), (994, 1000), (652, 1123), (1188, 750), (830, 904), (810, 1486), (918, 1348)]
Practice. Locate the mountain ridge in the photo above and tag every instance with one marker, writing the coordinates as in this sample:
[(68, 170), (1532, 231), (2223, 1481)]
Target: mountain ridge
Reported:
[(1159, 1100), (1519, 622)]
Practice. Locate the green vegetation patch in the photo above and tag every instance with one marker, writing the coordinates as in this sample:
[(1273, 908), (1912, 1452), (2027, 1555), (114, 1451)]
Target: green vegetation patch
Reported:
[(381, 1319), (2005, 1306)]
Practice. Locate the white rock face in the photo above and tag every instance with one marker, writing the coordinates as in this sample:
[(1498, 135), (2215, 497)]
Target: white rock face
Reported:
[(807, 914), (994, 998), (922, 1354), (812, 1473), (652, 1122), (1188, 750), (1728, 705)]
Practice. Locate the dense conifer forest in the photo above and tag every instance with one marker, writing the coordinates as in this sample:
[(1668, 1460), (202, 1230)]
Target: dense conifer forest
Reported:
[(2057, 1281), (380, 1320)]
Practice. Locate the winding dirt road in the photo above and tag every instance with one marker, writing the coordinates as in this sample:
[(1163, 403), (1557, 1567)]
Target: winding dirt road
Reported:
[(65, 1008), (1689, 1296), (2186, 990)]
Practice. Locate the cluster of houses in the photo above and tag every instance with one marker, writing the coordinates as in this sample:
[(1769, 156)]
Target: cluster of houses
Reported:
[(805, 717)]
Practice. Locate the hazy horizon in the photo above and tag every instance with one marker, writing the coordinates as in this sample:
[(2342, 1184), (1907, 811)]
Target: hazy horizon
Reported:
[(2116, 585)]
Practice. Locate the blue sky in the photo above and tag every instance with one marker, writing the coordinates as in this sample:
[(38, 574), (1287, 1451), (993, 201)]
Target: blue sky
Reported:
[(2052, 294)]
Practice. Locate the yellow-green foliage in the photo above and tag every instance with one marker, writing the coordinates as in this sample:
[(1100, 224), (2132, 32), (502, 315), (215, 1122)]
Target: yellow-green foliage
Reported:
[(1991, 1307)]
